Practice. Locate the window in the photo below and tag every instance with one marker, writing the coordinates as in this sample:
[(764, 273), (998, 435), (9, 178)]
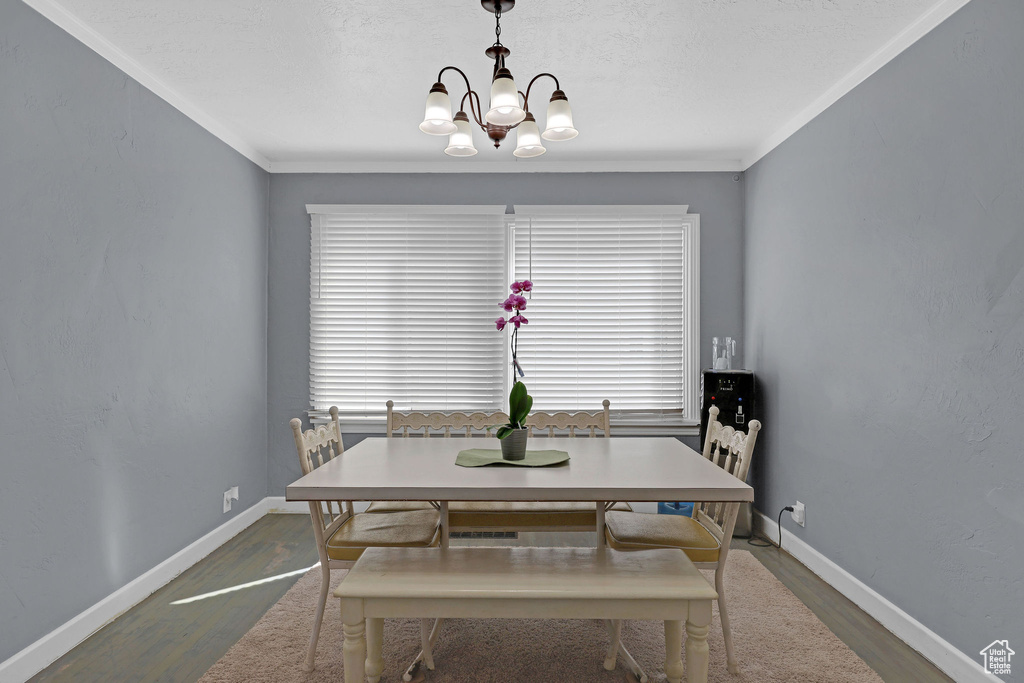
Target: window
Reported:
[(400, 298), (403, 299), (614, 311)]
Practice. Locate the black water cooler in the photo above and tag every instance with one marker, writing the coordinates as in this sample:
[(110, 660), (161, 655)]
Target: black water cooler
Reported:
[(733, 392)]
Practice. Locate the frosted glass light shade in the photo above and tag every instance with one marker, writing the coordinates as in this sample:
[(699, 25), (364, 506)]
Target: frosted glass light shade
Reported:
[(437, 119), (559, 119), (460, 144), (505, 109), (528, 142)]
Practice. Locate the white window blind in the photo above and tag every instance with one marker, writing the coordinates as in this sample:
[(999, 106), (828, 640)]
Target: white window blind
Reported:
[(614, 308), (402, 307)]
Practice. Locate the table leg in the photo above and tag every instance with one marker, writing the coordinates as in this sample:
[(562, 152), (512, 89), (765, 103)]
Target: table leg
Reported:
[(354, 648), (374, 649), (697, 622), (600, 524), (444, 524)]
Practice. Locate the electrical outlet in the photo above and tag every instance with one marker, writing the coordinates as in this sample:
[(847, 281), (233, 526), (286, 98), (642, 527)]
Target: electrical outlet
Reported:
[(799, 514), (230, 495)]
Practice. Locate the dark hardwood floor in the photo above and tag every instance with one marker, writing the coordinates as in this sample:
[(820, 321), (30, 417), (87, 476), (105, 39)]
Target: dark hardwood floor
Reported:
[(160, 641)]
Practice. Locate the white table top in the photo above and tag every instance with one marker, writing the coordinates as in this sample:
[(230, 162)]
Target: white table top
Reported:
[(641, 469)]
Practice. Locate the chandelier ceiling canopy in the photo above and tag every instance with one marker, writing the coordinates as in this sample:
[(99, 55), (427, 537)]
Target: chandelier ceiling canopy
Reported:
[(506, 110)]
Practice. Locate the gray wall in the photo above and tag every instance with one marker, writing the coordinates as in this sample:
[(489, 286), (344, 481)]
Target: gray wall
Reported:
[(132, 328), (885, 317), (717, 197)]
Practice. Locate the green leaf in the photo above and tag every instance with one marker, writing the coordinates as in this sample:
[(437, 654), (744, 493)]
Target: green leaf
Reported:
[(524, 407), (503, 431), (519, 405), (516, 397)]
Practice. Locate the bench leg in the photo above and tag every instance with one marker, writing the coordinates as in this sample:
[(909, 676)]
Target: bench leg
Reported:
[(697, 623), (354, 648), (374, 648)]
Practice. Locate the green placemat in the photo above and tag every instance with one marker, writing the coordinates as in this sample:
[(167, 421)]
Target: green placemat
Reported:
[(478, 457)]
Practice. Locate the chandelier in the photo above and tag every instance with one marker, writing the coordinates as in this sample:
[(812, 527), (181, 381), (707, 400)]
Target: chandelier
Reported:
[(505, 112)]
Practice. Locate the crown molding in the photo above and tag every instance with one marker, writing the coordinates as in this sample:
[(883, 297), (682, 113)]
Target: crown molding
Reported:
[(885, 54), (454, 166), (113, 54)]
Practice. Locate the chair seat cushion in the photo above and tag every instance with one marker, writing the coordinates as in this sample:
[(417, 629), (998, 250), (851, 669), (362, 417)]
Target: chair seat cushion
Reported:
[(413, 529), (399, 505), (640, 531), (524, 515)]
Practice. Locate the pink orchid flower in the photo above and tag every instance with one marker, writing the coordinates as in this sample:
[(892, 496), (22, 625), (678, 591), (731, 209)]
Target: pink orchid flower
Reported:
[(518, 320), (527, 286), (518, 302), (516, 287), (508, 304), (500, 324)]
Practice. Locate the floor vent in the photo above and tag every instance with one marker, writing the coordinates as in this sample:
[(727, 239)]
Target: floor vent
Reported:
[(484, 534)]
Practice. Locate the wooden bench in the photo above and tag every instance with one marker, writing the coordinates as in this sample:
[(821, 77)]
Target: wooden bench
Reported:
[(525, 583)]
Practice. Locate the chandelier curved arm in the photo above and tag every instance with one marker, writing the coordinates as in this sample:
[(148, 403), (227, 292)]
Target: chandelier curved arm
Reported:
[(461, 73), (526, 97), (474, 107), (470, 93)]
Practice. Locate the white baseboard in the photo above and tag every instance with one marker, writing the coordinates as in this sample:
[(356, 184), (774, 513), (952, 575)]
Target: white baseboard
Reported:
[(61, 640), (933, 647)]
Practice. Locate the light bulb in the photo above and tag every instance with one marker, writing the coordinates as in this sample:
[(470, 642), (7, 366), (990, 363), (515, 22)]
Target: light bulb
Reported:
[(460, 144), (528, 142), (559, 119), (437, 119), (505, 109)]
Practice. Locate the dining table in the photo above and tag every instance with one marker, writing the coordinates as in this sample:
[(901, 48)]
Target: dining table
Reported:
[(599, 470)]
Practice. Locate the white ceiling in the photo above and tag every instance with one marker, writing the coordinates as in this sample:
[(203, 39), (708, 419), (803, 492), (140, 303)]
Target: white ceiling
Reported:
[(697, 83)]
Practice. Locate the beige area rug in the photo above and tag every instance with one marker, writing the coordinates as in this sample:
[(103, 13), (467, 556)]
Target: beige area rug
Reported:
[(777, 638)]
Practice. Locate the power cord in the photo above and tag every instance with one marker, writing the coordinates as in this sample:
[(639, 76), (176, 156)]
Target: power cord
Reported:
[(788, 508)]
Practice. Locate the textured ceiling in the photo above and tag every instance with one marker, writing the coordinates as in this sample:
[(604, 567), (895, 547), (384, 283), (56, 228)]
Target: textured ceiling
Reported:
[(649, 80)]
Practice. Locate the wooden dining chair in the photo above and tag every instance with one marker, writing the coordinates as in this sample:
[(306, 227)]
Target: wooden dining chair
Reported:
[(341, 533), (705, 536), (505, 516)]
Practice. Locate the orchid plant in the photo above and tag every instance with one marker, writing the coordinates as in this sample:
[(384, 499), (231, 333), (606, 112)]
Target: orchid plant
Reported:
[(519, 402)]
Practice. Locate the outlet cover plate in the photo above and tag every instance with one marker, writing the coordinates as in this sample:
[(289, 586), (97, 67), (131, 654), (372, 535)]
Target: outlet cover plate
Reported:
[(799, 514)]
